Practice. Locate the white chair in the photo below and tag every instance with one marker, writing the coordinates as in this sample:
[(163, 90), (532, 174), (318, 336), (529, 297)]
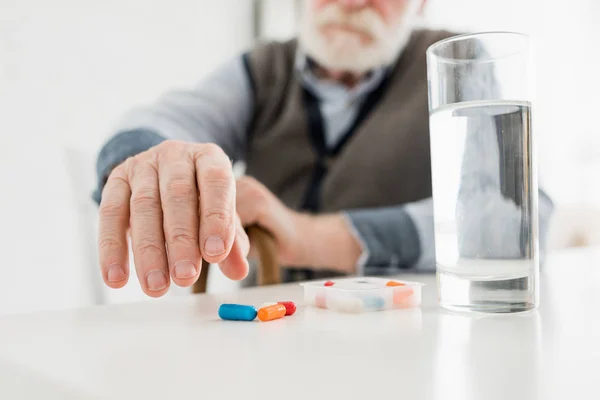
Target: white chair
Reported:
[(42, 264)]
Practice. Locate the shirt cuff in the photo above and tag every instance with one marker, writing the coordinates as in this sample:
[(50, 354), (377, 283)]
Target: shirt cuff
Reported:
[(388, 237), (119, 148)]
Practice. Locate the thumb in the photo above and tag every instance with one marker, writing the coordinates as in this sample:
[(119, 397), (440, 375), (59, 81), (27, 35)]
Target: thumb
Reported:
[(235, 266)]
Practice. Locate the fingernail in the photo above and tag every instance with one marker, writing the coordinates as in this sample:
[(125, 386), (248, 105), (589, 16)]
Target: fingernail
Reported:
[(185, 270), (116, 273), (214, 246), (156, 280)]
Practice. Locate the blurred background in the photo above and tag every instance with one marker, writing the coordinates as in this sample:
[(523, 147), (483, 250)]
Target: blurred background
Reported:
[(70, 68)]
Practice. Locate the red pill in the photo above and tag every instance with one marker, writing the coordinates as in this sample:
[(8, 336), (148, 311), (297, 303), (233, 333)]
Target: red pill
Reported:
[(290, 307), (329, 283)]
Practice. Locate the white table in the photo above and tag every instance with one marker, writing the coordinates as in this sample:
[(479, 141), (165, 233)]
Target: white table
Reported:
[(179, 349)]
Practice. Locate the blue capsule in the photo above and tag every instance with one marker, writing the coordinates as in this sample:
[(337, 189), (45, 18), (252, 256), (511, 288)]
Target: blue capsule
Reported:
[(237, 312)]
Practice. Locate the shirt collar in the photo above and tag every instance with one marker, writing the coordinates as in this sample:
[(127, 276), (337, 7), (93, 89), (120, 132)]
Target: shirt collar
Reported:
[(303, 67)]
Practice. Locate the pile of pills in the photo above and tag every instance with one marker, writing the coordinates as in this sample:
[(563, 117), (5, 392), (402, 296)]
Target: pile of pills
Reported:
[(268, 311)]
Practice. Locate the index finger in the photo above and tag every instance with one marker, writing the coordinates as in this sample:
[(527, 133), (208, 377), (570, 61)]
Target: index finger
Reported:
[(216, 185), (113, 224)]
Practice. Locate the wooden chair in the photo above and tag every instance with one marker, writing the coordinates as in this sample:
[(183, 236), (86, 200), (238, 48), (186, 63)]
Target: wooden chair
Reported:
[(268, 268)]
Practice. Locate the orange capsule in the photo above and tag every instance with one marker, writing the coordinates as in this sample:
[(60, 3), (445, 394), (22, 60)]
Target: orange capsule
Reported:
[(329, 283), (270, 313), (394, 283)]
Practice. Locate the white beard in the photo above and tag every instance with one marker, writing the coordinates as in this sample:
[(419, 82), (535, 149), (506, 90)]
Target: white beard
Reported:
[(345, 51)]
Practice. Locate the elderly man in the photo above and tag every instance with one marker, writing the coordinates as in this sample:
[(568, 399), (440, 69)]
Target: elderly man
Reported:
[(333, 128)]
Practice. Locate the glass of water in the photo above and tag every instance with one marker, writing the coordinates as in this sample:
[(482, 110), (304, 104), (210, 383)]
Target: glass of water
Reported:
[(484, 172)]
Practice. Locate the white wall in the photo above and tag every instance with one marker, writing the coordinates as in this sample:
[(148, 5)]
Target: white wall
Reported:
[(279, 19), (68, 69)]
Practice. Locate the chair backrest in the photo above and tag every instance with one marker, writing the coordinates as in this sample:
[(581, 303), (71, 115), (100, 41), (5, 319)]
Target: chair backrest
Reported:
[(42, 247)]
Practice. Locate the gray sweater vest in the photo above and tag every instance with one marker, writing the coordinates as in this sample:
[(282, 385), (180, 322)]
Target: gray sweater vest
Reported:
[(384, 161)]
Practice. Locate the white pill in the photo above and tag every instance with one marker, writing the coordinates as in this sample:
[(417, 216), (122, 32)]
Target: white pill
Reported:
[(349, 305)]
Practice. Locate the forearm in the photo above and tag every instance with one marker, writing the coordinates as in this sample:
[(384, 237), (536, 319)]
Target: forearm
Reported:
[(373, 241)]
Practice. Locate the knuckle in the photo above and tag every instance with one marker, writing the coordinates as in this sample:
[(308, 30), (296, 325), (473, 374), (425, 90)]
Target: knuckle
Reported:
[(145, 201), (255, 195), (180, 190), (257, 192), (142, 161), (137, 160), (182, 236), (211, 149), (217, 176), (110, 210), (109, 242), (167, 145), (120, 172), (134, 164), (171, 151), (149, 247), (218, 215)]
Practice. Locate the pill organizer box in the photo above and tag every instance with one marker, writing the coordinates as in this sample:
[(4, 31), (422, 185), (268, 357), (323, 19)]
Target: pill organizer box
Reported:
[(357, 295)]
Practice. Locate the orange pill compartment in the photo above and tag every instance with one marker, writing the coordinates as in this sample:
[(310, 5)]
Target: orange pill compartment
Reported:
[(403, 295), (357, 295)]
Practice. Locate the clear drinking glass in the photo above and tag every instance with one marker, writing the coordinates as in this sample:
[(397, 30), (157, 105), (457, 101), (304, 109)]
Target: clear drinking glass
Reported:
[(484, 172)]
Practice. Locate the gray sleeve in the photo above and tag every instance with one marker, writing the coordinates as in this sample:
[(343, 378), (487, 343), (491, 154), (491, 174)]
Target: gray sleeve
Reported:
[(422, 215), (402, 237), (217, 110), (389, 238)]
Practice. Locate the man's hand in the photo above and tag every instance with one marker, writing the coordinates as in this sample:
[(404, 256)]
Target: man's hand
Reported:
[(178, 202), (303, 240)]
